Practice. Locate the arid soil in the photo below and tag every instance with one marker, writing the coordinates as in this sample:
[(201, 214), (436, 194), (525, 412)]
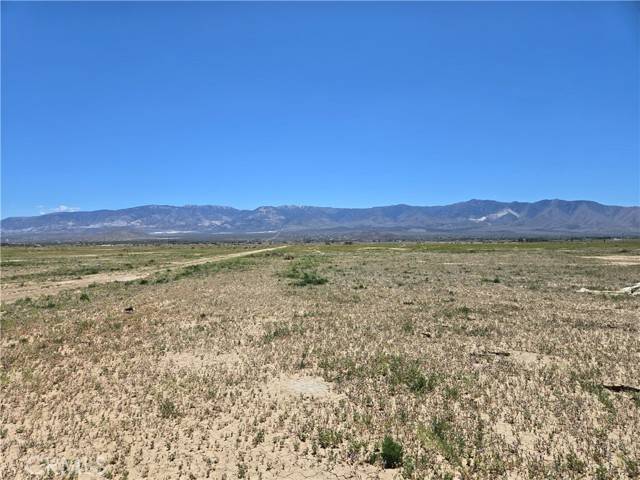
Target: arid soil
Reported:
[(436, 361)]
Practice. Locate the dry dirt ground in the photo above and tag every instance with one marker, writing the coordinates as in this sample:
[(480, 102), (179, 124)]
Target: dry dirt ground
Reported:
[(457, 361)]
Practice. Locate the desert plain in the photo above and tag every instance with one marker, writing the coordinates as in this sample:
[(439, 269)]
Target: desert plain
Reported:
[(514, 360)]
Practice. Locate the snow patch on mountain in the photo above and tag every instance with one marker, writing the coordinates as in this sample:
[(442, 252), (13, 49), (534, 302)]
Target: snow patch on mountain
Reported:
[(495, 216), (212, 223)]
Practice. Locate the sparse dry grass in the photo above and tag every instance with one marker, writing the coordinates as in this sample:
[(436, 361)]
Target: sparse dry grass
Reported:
[(438, 360)]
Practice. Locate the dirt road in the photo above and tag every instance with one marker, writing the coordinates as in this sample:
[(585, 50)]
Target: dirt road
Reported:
[(12, 293)]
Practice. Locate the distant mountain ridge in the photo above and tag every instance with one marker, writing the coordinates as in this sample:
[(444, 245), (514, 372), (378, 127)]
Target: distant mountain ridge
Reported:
[(470, 219)]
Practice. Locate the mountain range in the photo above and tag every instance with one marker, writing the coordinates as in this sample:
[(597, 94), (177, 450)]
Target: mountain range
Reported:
[(470, 219)]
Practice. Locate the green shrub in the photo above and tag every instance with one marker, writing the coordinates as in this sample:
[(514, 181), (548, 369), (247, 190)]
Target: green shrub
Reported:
[(407, 372), (304, 272), (632, 467), (168, 409), (391, 453), (242, 470), (310, 278), (491, 280), (574, 464), (601, 394), (442, 436), (259, 438), (409, 327), (408, 467), (328, 438)]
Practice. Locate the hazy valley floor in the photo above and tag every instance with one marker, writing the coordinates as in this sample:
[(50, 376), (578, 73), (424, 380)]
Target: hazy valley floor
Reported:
[(476, 360)]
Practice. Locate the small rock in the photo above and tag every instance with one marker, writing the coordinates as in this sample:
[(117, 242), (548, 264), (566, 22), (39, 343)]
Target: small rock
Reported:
[(103, 459)]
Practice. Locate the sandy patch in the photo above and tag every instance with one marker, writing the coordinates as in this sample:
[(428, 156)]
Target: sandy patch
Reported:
[(535, 359), (308, 387), (315, 387), (524, 441), (623, 260), (198, 360)]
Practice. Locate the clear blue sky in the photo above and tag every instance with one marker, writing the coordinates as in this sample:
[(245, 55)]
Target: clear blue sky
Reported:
[(110, 105)]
